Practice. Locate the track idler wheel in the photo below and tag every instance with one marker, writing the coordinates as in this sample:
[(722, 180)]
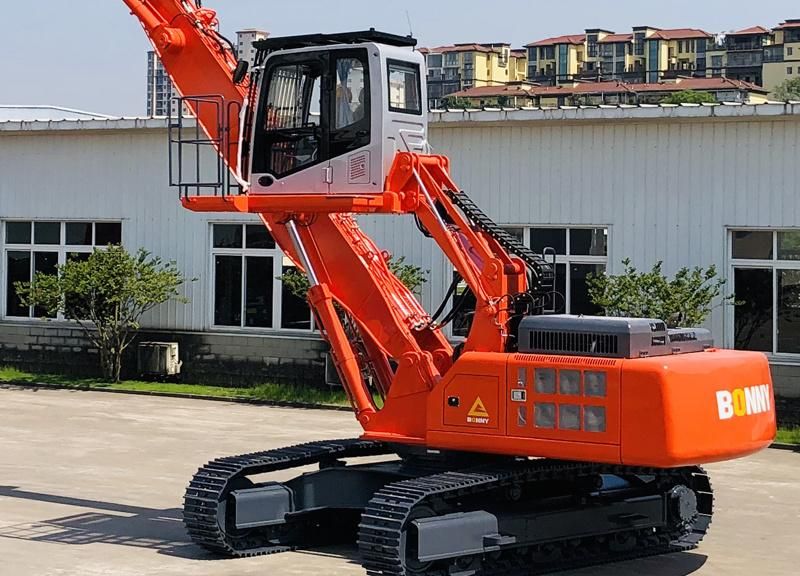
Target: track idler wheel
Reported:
[(683, 504)]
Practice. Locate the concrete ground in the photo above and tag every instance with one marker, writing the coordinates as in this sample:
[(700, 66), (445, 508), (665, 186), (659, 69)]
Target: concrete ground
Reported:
[(91, 484)]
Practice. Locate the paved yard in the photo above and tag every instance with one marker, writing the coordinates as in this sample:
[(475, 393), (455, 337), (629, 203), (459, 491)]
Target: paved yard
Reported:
[(90, 484)]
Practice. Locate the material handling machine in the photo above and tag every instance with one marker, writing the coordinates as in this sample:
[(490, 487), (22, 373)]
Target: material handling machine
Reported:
[(541, 442)]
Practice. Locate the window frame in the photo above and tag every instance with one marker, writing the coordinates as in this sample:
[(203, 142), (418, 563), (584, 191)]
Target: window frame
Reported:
[(774, 265), (414, 67), (567, 259), (279, 259), (62, 249)]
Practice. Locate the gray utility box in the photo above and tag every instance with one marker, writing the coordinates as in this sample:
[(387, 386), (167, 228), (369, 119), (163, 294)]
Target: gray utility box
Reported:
[(159, 359), (608, 337)]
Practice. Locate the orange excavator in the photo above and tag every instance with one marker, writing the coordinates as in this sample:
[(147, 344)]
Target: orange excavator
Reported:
[(539, 443)]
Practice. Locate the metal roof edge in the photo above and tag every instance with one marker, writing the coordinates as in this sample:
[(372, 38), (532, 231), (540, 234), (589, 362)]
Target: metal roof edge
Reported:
[(126, 123), (610, 112), (445, 117)]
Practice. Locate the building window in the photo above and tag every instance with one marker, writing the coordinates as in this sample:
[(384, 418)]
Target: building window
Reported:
[(452, 59), (579, 252), (789, 70), (32, 247), (247, 290), (563, 59), (766, 282), (435, 60)]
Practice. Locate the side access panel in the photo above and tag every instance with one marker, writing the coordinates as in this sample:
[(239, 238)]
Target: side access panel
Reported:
[(491, 403)]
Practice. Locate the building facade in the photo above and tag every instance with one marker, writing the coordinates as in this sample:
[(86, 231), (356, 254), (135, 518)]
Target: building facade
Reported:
[(464, 66), (160, 90), (245, 40), (689, 186), (755, 55)]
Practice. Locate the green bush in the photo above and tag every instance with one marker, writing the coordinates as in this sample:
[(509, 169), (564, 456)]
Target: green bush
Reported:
[(685, 301), (106, 294)]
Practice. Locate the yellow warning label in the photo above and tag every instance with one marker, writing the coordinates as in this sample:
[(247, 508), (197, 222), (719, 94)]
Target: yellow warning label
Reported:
[(478, 414)]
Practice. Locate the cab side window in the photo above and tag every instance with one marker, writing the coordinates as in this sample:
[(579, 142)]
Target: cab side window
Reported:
[(405, 91), (350, 128)]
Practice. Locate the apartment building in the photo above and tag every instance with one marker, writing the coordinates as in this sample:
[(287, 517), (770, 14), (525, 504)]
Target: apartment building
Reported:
[(648, 54), (464, 66), (245, 40), (782, 57), (160, 90), (755, 55)]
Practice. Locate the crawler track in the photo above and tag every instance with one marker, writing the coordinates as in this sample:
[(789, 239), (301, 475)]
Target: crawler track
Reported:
[(386, 520), (206, 496), (432, 484)]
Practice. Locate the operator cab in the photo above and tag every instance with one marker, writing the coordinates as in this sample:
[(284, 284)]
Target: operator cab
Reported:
[(333, 110)]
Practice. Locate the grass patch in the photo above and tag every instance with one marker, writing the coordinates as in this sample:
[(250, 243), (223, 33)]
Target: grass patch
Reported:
[(789, 436), (264, 392)]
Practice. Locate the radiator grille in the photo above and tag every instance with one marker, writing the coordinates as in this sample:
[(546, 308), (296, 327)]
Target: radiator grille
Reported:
[(574, 342)]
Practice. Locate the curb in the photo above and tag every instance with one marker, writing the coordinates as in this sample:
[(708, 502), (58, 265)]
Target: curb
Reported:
[(229, 400), (786, 447)]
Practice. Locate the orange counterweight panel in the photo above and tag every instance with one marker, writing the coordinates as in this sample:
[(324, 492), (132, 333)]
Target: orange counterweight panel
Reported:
[(696, 408)]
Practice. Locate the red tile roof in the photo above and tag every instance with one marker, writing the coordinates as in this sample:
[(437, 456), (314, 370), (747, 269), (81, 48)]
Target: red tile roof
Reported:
[(568, 39), (704, 84), (749, 31), (795, 23), (460, 48), (513, 90), (680, 34), (613, 38)]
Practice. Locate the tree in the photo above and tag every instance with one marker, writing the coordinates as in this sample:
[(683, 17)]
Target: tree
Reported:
[(413, 277), (457, 103), (685, 301), (788, 90), (689, 97), (106, 294)]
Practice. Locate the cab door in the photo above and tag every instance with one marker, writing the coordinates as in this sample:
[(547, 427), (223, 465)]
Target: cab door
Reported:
[(291, 138), (355, 164)]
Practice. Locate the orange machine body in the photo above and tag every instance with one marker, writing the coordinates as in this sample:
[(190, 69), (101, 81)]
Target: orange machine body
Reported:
[(663, 412)]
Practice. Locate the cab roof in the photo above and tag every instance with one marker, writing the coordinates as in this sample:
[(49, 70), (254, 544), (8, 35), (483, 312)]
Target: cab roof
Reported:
[(312, 40)]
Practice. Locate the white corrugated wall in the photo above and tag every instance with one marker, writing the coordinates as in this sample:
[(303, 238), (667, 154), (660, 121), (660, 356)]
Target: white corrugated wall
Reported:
[(667, 189), (113, 175)]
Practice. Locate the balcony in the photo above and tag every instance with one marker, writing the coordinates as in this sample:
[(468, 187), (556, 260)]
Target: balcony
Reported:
[(773, 54), (543, 79), (732, 46), (745, 59)]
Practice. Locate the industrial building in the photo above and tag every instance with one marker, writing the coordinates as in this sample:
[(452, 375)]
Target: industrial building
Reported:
[(686, 185)]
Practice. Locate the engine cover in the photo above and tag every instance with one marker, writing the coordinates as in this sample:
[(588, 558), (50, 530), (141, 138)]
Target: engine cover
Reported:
[(608, 337)]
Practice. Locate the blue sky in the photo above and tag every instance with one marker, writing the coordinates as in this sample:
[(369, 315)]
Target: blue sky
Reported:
[(90, 54)]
